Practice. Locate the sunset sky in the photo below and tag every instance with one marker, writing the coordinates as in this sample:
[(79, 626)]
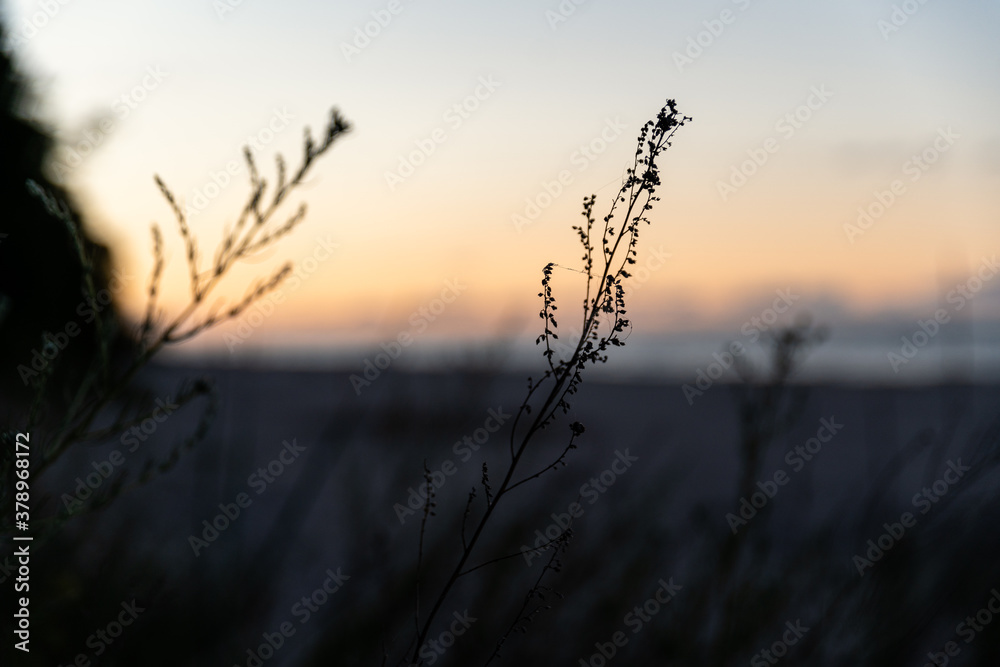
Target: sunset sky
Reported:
[(804, 113)]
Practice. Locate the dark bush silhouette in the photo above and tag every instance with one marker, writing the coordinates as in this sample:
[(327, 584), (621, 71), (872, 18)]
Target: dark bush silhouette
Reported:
[(42, 277)]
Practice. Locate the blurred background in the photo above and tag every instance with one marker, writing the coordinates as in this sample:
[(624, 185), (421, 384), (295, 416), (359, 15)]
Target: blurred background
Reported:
[(815, 296), (449, 178)]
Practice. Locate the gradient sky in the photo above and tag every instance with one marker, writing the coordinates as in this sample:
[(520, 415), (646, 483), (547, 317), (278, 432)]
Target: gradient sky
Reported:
[(558, 83)]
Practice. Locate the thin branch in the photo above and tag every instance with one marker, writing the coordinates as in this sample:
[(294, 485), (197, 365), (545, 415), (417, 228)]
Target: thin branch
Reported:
[(566, 374), (577, 429)]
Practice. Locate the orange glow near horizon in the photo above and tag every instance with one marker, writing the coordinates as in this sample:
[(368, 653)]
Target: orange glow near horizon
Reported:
[(761, 192)]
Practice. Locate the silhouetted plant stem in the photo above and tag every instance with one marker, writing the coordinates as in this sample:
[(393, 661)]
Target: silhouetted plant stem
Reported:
[(608, 297), (100, 386)]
